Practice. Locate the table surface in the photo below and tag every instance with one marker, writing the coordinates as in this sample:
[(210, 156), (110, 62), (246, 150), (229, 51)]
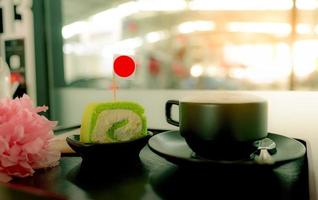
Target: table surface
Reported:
[(293, 114), (156, 178)]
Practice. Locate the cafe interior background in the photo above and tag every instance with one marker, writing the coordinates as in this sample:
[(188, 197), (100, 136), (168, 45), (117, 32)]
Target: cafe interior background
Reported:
[(65, 48)]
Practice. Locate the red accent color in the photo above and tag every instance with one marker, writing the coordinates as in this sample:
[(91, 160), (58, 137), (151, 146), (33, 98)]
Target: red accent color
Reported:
[(132, 26), (124, 66), (154, 66), (17, 77)]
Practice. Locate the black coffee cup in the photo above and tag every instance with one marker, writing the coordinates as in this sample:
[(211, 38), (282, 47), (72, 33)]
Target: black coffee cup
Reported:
[(222, 126)]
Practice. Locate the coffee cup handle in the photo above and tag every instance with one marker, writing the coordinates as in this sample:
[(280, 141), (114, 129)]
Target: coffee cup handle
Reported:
[(169, 105)]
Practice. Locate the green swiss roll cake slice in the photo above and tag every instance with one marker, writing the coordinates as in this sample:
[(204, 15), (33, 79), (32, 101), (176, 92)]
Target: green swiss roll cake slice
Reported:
[(112, 122)]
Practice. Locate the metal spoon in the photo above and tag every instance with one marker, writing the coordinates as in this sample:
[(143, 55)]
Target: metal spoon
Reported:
[(265, 148)]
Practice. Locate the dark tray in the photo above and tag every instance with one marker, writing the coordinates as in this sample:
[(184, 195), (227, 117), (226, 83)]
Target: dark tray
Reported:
[(156, 178)]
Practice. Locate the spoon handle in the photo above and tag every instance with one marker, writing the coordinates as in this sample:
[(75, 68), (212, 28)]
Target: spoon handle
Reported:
[(264, 157)]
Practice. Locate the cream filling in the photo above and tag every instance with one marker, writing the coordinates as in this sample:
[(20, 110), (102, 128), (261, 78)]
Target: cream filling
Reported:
[(107, 118)]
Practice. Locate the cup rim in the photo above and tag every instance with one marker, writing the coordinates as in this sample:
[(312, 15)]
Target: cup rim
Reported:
[(224, 98)]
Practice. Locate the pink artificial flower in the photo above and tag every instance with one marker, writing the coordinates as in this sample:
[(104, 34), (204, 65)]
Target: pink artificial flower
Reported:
[(25, 139)]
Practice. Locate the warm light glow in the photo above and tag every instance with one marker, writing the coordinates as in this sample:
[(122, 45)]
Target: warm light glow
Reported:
[(213, 71), (193, 26), (251, 5), (305, 59), (120, 11), (304, 29), (110, 20), (237, 73), (96, 23), (67, 49), (127, 46), (73, 29), (266, 27), (259, 63), (240, 5), (282, 64), (76, 48), (105, 21), (307, 4), (196, 70), (128, 8), (153, 37), (104, 15), (261, 75), (316, 29), (266, 74), (161, 5)]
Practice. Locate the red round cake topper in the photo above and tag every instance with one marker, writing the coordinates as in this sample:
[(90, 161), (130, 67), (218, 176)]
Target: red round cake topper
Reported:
[(124, 66)]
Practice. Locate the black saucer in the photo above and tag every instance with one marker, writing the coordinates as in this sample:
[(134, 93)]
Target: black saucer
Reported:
[(172, 146)]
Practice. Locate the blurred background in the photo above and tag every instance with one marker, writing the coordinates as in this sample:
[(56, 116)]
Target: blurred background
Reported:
[(193, 44), (61, 52)]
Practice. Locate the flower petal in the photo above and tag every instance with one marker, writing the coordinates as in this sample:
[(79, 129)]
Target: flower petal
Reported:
[(24, 138), (34, 146)]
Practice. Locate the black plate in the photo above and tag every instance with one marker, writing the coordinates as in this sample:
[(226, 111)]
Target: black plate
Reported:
[(119, 152), (172, 146)]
